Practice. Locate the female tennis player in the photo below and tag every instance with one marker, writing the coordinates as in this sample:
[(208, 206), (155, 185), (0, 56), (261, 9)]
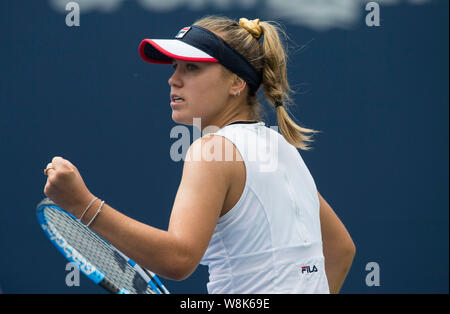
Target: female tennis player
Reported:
[(259, 229)]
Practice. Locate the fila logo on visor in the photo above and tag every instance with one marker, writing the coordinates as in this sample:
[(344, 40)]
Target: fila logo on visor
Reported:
[(182, 32)]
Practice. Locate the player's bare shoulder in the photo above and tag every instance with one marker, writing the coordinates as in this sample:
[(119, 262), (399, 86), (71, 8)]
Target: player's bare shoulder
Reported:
[(212, 148)]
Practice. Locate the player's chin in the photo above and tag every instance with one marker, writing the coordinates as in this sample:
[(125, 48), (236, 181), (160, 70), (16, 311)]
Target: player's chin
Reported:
[(182, 118)]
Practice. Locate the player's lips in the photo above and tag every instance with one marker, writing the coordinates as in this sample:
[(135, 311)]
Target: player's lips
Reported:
[(175, 100)]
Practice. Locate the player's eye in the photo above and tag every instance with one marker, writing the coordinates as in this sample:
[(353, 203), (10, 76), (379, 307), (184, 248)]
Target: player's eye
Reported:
[(191, 67)]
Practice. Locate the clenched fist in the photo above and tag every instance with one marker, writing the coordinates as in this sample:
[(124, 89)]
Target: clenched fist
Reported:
[(65, 186)]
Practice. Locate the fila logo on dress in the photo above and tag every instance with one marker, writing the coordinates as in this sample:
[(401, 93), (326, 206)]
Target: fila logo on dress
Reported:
[(308, 269)]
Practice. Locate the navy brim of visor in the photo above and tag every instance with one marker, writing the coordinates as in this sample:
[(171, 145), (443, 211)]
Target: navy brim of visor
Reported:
[(197, 44)]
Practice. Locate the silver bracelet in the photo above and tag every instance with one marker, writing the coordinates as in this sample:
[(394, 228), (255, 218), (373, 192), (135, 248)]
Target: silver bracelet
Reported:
[(87, 208), (96, 214)]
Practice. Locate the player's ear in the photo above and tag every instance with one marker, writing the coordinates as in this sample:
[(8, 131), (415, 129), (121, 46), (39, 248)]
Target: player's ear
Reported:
[(237, 85)]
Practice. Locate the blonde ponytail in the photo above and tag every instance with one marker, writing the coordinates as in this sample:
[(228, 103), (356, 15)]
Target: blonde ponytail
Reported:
[(276, 86), (268, 57)]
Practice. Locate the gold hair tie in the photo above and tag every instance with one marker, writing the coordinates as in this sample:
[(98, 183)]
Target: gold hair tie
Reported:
[(251, 26)]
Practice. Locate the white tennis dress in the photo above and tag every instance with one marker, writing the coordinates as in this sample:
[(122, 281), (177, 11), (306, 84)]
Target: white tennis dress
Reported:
[(270, 241)]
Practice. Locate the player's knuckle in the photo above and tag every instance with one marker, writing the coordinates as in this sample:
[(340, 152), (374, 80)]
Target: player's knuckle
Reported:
[(55, 177), (65, 173), (48, 188), (51, 181)]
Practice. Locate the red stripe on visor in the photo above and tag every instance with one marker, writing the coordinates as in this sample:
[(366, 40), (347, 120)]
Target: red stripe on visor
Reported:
[(163, 51)]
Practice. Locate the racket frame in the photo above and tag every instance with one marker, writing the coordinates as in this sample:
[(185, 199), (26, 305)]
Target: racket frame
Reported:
[(85, 266)]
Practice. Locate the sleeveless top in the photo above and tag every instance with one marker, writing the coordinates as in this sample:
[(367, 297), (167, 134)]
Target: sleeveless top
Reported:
[(270, 241)]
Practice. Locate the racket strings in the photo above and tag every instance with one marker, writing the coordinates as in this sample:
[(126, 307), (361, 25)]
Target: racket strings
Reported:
[(97, 251)]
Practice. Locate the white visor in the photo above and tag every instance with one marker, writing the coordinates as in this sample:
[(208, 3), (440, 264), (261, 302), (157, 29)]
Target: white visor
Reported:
[(165, 50)]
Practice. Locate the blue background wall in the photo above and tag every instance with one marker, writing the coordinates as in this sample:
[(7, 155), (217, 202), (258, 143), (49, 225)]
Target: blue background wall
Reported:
[(379, 95)]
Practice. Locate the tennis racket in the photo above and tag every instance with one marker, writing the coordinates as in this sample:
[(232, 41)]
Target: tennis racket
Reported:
[(102, 263)]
